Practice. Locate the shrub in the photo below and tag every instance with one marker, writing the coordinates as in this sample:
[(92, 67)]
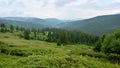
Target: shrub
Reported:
[(114, 58), (1, 43), (111, 44)]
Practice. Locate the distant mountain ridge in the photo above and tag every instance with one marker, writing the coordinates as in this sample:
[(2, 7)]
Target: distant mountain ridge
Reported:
[(31, 22), (98, 25), (54, 22)]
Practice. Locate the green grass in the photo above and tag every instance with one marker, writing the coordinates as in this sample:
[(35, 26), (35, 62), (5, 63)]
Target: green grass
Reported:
[(19, 53)]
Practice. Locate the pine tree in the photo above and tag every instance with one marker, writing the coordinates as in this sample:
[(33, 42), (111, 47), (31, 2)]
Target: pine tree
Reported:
[(26, 34), (17, 28), (58, 42), (3, 28), (50, 36), (11, 28)]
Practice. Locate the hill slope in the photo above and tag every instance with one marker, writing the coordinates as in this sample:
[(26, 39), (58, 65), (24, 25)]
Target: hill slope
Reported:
[(54, 22), (26, 22), (30, 22), (97, 25)]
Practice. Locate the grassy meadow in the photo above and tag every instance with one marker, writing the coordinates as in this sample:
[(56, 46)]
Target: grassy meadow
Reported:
[(16, 52)]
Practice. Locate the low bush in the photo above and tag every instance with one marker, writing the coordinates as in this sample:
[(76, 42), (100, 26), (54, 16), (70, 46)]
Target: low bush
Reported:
[(1, 43), (114, 58), (22, 51)]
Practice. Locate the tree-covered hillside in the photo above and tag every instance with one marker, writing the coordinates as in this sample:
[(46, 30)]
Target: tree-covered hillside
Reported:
[(98, 25), (29, 22)]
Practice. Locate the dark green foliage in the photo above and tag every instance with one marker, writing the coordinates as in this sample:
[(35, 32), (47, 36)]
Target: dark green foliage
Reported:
[(111, 43), (1, 43), (59, 42), (98, 44), (49, 37), (70, 37), (114, 58), (34, 31), (3, 28), (22, 29), (15, 50), (64, 38), (17, 28), (26, 34), (88, 52), (11, 28)]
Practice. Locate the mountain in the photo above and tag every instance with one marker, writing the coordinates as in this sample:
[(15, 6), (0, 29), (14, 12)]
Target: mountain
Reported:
[(54, 22), (98, 25), (43, 23), (30, 22), (24, 24), (28, 19)]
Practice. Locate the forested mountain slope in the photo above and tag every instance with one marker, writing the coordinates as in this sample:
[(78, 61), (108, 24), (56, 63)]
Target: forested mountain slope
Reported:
[(97, 25)]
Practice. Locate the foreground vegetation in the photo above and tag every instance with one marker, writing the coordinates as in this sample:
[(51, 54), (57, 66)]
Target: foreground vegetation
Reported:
[(21, 48), (19, 53)]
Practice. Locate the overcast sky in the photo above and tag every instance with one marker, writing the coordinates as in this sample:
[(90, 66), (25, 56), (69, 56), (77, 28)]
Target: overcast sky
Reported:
[(62, 9)]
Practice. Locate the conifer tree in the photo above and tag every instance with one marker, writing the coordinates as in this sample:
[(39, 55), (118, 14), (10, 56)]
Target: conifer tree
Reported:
[(26, 34), (11, 28)]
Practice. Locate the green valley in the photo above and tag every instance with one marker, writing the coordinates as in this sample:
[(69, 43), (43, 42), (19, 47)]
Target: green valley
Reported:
[(59, 33)]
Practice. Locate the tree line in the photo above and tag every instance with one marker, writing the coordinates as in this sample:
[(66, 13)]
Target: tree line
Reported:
[(62, 37), (23, 32)]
